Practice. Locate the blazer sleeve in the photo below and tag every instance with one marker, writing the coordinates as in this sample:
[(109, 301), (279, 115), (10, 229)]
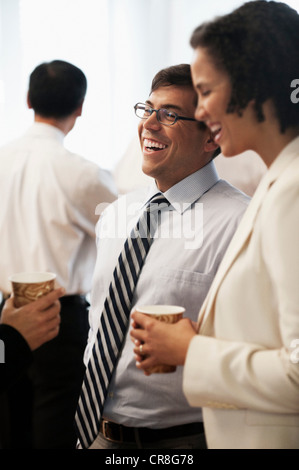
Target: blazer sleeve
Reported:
[(17, 356)]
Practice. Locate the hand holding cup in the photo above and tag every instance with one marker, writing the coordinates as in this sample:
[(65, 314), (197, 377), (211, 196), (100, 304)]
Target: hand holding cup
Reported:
[(159, 343), (30, 286)]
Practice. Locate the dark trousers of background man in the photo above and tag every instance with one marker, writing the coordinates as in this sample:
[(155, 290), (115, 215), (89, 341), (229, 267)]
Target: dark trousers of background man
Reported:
[(38, 411)]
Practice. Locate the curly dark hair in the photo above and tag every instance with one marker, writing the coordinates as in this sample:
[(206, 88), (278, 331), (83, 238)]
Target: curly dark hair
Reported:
[(258, 46)]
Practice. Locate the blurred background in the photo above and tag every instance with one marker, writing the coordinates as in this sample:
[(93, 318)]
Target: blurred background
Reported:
[(119, 44)]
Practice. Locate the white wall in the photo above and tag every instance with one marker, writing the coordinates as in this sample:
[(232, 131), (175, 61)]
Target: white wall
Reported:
[(119, 44)]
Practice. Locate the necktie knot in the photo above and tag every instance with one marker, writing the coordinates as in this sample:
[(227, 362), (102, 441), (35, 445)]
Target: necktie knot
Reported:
[(148, 221), (157, 202)]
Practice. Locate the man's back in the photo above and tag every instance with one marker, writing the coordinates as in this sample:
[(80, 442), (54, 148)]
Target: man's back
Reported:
[(49, 197), (48, 202)]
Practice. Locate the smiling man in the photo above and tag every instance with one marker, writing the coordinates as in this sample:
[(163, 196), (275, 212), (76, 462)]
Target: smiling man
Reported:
[(163, 145), (178, 152)]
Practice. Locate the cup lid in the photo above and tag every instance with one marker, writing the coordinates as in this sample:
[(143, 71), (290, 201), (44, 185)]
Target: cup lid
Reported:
[(160, 309), (32, 277)]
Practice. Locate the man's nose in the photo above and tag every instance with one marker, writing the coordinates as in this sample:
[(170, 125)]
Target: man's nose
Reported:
[(152, 122)]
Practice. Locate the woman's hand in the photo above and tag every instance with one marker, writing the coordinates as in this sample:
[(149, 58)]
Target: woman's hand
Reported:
[(159, 343)]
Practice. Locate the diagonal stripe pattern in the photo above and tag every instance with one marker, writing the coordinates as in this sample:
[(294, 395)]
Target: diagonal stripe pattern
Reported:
[(114, 322)]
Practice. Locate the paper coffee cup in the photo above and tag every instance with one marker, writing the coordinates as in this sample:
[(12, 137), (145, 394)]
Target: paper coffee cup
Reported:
[(30, 286), (167, 314)]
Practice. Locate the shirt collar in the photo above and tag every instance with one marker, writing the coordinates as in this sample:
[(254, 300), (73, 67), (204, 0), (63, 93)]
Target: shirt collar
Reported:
[(41, 129), (183, 194)]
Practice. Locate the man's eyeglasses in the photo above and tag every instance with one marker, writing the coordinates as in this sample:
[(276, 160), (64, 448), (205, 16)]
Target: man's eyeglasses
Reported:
[(164, 116)]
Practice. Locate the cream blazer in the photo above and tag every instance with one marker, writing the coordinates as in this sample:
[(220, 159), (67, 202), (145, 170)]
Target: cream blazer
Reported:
[(243, 367)]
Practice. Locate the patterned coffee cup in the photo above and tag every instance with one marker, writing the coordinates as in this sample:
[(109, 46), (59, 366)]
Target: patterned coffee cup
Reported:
[(30, 286), (167, 314)]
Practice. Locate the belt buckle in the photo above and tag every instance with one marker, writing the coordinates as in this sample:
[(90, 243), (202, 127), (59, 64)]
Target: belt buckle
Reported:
[(108, 429)]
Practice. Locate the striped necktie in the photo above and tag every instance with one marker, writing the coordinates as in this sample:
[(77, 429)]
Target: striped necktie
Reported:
[(114, 322)]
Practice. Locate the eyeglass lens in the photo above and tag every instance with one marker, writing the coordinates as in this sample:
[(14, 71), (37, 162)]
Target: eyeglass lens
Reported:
[(163, 115)]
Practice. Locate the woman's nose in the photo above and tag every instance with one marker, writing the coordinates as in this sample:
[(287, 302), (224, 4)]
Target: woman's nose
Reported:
[(200, 112)]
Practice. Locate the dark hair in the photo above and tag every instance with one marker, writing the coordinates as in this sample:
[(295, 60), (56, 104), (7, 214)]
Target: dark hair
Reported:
[(178, 75), (56, 89), (258, 46)]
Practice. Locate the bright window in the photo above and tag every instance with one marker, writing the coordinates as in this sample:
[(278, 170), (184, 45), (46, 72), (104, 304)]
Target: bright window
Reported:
[(119, 44)]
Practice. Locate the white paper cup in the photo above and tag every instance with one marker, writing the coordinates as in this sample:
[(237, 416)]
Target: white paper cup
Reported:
[(30, 286), (167, 314)]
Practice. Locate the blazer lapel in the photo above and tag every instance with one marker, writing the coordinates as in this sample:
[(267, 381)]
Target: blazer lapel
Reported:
[(206, 314)]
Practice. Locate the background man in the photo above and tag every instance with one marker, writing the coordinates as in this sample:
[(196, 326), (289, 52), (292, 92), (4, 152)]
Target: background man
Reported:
[(48, 201)]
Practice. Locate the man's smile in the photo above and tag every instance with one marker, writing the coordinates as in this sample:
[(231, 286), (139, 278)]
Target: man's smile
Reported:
[(150, 145)]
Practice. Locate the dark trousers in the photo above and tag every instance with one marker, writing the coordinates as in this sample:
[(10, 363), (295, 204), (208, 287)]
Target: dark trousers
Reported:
[(40, 408)]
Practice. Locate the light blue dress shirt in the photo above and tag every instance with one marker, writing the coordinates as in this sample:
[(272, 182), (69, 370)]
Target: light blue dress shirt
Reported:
[(189, 244)]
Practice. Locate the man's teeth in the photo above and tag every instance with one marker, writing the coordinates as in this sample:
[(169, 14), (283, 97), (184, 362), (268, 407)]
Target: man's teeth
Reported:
[(151, 144)]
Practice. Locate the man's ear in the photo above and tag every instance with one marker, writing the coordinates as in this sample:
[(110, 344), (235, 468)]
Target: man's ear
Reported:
[(78, 111), (210, 144), (28, 101)]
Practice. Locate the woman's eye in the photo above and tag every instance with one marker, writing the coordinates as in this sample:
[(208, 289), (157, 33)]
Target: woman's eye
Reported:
[(205, 93)]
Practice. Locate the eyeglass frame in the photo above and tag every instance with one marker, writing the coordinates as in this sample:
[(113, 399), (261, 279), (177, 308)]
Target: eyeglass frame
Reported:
[(177, 117)]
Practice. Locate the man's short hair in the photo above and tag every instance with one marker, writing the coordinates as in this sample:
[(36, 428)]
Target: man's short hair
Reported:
[(179, 75), (56, 89)]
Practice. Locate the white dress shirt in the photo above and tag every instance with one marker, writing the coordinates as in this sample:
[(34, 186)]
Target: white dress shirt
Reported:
[(182, 261), (48, 202)]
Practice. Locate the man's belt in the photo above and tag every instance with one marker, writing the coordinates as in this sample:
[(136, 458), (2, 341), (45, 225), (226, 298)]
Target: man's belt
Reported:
[(118, 433), (73, 299)]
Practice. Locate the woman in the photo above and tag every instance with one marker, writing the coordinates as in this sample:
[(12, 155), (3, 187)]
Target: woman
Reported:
[(242, 366)]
